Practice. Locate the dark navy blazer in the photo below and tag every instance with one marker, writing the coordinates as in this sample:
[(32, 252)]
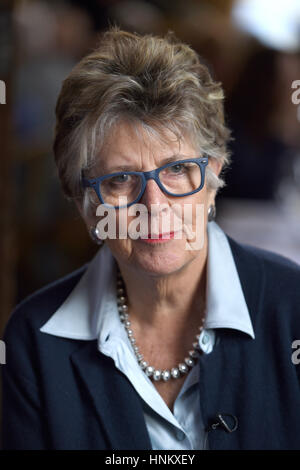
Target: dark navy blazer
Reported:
[(64, 394)]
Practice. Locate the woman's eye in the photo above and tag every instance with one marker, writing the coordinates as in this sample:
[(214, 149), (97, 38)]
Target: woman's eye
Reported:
[(120, 179), (177, 168)]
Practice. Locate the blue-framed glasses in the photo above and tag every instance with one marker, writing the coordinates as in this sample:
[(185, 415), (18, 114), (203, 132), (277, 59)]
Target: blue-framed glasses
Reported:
[(178, 178)]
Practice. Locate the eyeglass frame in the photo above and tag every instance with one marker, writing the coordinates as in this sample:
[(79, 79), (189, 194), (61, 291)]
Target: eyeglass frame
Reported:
[(95, 183)]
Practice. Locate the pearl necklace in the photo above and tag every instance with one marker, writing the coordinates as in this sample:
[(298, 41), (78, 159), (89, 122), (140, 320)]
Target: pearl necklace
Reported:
[(156, 374)]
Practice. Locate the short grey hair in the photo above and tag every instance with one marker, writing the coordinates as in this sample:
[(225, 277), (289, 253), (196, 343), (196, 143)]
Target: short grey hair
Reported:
[(158, 82)]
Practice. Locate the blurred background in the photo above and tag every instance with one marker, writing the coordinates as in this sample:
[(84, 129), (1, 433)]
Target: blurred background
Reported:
[(251, 46)]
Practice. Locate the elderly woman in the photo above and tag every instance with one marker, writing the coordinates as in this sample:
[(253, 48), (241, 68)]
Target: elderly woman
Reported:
[(174, 336)]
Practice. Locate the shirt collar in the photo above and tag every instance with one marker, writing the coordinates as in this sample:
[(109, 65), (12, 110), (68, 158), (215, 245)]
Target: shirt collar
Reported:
[(226, 304), (89, 311)]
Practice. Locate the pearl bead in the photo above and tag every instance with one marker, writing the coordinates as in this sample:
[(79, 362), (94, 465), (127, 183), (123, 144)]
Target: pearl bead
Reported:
[(193, 354), (183, 368), (189, 362), (175, 372), (144, 364), (166, 375), (149, 371), (156, 374)]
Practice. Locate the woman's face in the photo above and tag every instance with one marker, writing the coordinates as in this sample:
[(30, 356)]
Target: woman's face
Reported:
[(179, 222)]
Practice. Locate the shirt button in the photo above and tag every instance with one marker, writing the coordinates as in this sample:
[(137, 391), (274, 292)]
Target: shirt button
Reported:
[(205, 338), (206, 341), (180, 435)]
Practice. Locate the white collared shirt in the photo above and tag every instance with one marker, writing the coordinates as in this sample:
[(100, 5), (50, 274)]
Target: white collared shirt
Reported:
[(90, 312)]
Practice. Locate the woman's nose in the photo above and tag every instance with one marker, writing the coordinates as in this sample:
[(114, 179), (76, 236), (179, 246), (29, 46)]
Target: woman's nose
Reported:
[(153, 195)]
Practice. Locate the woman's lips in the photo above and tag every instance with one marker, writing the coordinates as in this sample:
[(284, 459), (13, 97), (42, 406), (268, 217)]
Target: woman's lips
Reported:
[(159, 238)]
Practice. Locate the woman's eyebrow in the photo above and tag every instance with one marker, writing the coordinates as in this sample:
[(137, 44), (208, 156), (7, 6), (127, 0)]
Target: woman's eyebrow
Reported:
[(164, 161)]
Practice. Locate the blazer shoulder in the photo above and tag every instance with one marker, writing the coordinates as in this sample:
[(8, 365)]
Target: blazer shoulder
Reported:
[(269, 258), (36, 308), (281, 274)]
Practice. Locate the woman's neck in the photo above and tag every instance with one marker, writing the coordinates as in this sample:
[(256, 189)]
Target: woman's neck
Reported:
[(156, 302)]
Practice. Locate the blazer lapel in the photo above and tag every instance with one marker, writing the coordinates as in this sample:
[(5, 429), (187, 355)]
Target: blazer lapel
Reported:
[(116, 402), (251, 273)]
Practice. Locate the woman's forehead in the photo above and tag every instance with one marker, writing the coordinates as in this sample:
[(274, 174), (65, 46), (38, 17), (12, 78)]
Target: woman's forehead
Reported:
[(128, 142)]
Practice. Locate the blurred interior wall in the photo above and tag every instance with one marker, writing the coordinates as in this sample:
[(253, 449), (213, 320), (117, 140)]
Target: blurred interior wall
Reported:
[(7, 245)]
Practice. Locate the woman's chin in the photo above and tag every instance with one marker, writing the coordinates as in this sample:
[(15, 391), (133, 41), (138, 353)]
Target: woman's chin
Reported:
[(159, 258), (153, 258)]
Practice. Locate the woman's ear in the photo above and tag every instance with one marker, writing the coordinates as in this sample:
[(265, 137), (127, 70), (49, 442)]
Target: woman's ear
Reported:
[(216, 165), (211, 198)]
